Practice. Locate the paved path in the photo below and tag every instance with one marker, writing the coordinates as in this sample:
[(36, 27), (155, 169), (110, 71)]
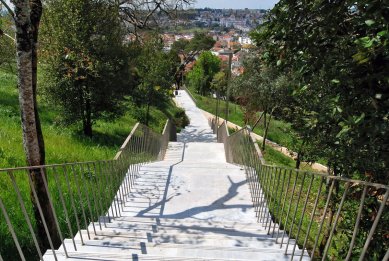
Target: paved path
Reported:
[(198, 129), (200, 183), (191, 206)]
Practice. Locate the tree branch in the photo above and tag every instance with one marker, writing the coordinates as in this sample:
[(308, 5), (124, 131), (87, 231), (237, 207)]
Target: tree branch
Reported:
[(140, 12), (8, 9), (10, 37)]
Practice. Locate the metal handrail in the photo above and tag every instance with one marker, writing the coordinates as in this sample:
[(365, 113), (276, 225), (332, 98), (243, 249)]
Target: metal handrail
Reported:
[(80, 196), (313, 208), (169, 133)]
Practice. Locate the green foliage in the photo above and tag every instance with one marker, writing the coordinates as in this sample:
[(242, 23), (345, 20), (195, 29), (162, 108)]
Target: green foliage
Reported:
[(206, 67), (155, 73), (63, 144), (260, 89), (220, 83), (335, 56), (7, 44), (88, 70), (200, 42), (187, 50)]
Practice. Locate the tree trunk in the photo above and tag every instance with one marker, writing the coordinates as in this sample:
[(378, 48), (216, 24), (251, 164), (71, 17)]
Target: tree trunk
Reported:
[(87, 122), (300, 155), (257, 122), (267, 125), (27, 18), (298, 160), (147, 114), (87, 127)]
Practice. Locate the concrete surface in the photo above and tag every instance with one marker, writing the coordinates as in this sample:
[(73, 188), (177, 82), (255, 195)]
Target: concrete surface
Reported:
[(191, 206)]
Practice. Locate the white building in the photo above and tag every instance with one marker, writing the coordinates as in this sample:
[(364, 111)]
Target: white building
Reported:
[(245, 40)]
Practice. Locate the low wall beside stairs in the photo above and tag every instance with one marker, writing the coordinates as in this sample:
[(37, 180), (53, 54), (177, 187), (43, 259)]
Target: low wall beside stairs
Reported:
[(277, 147)]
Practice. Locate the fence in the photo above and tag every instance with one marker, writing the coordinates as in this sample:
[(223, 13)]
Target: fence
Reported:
[(69, 197), (328, 217)]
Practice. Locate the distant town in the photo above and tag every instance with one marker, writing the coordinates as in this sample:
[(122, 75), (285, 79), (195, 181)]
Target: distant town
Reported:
[(229, 28)]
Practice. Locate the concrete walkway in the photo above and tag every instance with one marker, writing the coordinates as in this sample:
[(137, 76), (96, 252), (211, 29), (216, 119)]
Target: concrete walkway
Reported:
[(191, 206), (200, 184), (198, 129)]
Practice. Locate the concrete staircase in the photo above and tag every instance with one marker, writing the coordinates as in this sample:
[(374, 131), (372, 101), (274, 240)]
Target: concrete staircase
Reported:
[(193, 205)]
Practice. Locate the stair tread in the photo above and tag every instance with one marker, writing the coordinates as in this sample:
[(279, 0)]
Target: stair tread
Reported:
[(95, 246)]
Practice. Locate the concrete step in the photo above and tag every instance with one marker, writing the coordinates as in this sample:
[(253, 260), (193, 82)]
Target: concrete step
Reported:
[(181, 250), (154, 224), (190, 237), (77, 256), (187, 222), (181, 225)]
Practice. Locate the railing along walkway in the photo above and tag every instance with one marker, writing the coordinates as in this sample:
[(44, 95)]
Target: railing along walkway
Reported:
[(193, 205), (205, 200), (71, 197), (331, 217)]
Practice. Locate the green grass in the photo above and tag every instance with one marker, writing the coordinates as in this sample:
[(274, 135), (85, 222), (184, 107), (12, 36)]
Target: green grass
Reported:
[(66, 144), (62, 144), (274, 157)]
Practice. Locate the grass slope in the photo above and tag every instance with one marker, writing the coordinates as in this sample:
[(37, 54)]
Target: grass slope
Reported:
[(63, 144)]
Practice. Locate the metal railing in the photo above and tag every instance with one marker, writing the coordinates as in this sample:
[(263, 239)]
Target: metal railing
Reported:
[(71, 197), (212, 124), (314, 214), (169, 134)]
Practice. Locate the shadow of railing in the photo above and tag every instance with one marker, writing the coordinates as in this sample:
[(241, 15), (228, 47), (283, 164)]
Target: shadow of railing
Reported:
[(72, 196)]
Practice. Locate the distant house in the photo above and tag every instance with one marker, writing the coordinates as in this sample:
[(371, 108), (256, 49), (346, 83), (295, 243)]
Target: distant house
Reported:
[(245, 40)]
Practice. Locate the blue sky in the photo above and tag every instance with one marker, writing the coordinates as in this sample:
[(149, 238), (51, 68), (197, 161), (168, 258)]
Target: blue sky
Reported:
[(237, 4)]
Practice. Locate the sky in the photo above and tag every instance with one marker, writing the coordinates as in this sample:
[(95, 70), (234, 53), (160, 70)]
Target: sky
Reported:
[(236, 4)]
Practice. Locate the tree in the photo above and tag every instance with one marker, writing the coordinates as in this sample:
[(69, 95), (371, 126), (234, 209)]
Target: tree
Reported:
[(337, 54), (7, 42), (205, 69), (155, 70), (89, 67), (140, 14), (188, 50), (219, 83), (26, 16), (260, 89)]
